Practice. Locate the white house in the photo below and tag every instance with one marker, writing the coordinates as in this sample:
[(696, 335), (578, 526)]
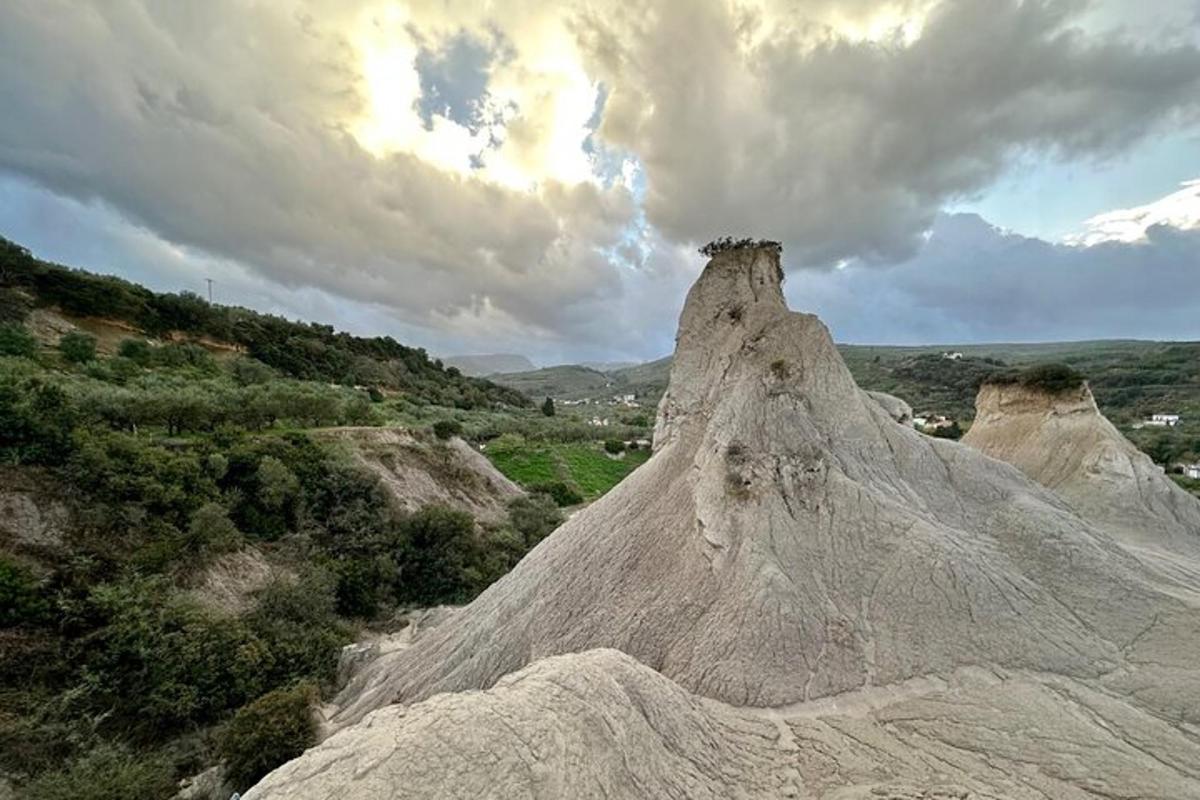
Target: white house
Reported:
[(1163, 420), (1192, 471), (955, 356)]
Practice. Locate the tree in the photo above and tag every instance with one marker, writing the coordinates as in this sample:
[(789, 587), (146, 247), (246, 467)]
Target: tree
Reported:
[(77, 347), (548, 407), (276, 483)]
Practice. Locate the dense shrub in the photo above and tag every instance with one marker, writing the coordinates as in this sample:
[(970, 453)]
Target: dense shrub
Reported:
[(563, 493), (297, 622), (534, 517), (16, 341), (138, 351), (21, 599), (548, 407), (446, 428), (614, 446), (270, 731), (184, 665), (437, 552), (1053, 378), (77, 347), (212, 531)]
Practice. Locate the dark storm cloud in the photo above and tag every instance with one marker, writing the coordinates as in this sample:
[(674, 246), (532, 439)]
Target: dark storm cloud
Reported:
[(975, 283)]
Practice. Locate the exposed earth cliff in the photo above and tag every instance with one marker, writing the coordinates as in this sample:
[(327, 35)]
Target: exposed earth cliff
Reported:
[(808, 600)]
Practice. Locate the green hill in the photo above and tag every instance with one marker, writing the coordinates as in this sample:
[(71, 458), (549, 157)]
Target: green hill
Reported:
[(308, 351)]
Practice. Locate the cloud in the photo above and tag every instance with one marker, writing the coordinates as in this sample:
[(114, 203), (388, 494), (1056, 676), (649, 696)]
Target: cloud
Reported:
[(539, 173), (849, 148), (973, 282), (1180, 209)]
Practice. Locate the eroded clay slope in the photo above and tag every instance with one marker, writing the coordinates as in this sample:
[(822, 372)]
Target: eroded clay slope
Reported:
[(601, 725), (789, 541), (1062, 441), (419, 471)]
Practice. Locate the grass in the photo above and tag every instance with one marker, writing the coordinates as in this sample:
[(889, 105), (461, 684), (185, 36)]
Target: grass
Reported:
[(585, 465)]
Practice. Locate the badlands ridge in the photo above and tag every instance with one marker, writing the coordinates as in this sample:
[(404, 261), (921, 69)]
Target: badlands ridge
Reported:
[(801, 596)]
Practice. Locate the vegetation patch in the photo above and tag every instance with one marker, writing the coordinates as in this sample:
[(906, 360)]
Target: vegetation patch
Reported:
[(1052, 378), (268, 732)]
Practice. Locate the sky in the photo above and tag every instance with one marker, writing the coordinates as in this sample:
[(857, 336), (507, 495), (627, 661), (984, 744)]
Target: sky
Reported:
[(535, 178)]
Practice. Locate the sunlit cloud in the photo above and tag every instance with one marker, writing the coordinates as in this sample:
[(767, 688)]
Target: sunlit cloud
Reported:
[(1179, 209)]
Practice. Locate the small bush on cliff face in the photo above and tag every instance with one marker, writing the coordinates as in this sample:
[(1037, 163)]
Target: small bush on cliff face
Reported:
[(272, 730)]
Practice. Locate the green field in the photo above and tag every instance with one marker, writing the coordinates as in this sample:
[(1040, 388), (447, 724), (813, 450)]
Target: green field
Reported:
[(584, 465)]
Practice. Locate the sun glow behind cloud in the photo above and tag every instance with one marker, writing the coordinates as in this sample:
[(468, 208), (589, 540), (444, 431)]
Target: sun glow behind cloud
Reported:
[(536, 115), (534, 118)]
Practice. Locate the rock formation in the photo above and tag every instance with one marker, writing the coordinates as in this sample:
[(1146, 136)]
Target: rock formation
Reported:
[(809, 600), (1062, 441), (418, 471)]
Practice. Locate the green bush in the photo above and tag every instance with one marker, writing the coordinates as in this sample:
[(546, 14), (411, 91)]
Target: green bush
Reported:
[(211, 530), (184, 665), (614, 446), (446, 428), (534, 517), (297, 622), (548, 407), (21, 598), (138, 351), (77, 347), (438, 548), (16, 341), (563, 493), (106, 773), (268, 732)]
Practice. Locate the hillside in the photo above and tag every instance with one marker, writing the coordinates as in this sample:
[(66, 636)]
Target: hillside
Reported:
[(305, 351), (190, 535), (480, 366), (1130, 380)]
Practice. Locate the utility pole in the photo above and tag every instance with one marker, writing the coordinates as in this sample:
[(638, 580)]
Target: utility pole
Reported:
[(210, 282)]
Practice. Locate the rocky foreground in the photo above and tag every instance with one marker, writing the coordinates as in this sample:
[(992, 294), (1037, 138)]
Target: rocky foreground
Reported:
[(797, 596)]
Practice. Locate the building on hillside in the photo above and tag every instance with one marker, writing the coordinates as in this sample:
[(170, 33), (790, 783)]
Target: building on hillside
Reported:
[(1192, 471), (1163, 420), (955, 356)]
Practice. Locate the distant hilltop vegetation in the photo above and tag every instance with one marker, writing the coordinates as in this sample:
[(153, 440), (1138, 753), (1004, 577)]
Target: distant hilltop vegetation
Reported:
[(308, 351)]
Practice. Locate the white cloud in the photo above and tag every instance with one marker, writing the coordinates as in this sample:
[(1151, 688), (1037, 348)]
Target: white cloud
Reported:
[(1179, 209)]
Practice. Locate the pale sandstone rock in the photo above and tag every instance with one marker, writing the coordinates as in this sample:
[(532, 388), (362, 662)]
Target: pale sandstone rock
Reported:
[(810, 600)]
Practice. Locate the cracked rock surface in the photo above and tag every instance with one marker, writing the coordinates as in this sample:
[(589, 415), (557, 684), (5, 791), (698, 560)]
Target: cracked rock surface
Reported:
[(795, 597)]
